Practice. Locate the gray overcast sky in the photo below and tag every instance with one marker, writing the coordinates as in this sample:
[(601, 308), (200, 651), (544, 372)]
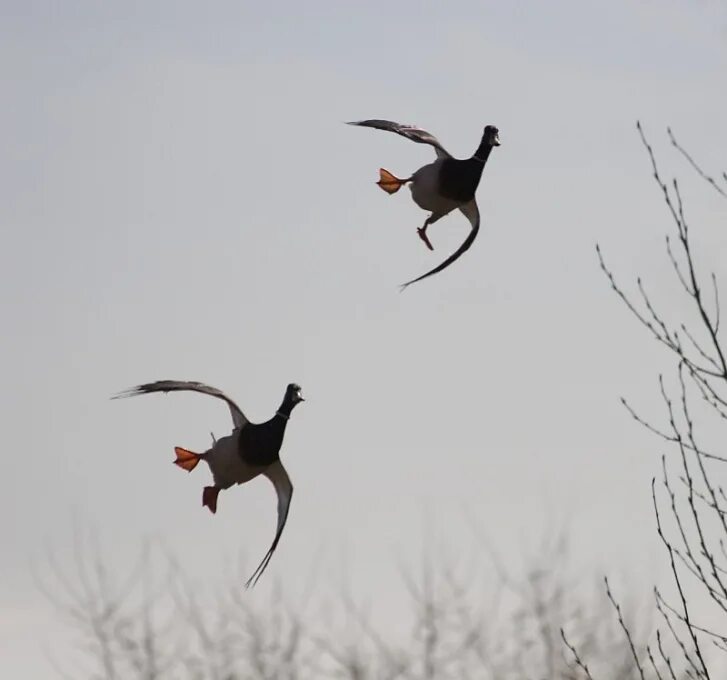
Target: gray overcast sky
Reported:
[(180, 199)]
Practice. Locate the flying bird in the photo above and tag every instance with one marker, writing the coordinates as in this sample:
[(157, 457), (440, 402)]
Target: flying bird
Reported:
[(441, 186), (251, 449)]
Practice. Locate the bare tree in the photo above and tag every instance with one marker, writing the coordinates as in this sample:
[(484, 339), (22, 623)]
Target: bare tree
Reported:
[(688, 498), (463, 623), (150, 624)]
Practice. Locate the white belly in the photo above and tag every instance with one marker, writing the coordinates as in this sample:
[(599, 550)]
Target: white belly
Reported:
[(425, 190), (227, 466)]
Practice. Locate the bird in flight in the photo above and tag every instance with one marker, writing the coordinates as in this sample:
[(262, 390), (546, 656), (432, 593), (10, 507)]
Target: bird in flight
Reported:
[(250, 450), (441, 186)]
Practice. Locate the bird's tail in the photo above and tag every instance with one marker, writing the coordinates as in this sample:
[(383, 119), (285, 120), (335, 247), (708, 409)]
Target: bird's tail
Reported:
[(389, 183), (187, 460)]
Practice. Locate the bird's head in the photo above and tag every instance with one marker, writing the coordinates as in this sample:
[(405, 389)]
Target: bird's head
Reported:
[(293, 394), (491, 136)]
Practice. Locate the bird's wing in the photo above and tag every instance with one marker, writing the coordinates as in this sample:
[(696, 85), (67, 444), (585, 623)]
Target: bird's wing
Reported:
[(238, 418), (409, 131), (472, 213), (284, 489)]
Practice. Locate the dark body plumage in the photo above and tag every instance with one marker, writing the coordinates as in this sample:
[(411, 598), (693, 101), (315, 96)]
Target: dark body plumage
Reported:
[(459, 179), (259, 444)]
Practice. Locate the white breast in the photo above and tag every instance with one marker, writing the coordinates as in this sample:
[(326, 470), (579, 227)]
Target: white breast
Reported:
[(425, 190), (227, 466)]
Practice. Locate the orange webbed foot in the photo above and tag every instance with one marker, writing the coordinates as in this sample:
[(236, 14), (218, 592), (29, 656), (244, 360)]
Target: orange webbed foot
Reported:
[(209, 498), (388, 182), (187, 460)]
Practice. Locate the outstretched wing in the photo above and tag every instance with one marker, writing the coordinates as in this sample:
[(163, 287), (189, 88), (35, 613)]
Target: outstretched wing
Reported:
[(284, 489), (238, 418), (472, 213), (409, 131)]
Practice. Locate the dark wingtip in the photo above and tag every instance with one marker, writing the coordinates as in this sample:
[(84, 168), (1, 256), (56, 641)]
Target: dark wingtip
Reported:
[(130, 392), (252, 581)]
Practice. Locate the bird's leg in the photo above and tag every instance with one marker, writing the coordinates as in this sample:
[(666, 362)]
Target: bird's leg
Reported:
[(422, 231), (214, 441), (187, 460), (389, 183), (209, 498)]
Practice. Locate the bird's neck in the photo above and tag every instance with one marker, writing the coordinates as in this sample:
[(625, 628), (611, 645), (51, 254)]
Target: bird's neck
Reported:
[(284, 410), (483, 152)]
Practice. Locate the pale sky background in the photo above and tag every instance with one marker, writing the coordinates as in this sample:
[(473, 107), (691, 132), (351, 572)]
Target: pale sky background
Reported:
[(180, 199)]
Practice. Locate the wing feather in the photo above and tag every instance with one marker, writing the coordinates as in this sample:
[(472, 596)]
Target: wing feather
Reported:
[(472, 213), (238, 418), (412, 132), (284, 489)]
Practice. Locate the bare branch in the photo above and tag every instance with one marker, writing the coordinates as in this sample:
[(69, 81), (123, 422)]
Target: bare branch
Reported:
[(696, 167)]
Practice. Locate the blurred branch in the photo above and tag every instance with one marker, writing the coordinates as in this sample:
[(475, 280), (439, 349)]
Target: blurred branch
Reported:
[(149, 628)]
